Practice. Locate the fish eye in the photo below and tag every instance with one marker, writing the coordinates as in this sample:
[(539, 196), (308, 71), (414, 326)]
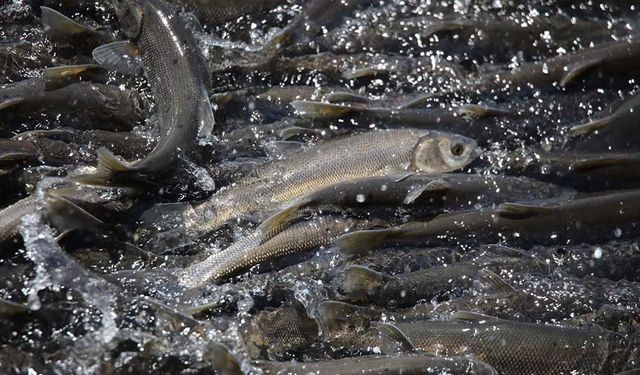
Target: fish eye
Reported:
[(457, 149)]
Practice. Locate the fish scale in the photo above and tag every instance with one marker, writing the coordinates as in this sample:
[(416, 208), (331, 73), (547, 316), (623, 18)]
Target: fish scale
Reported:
[(520, 348), (370, 154), (293, 240)]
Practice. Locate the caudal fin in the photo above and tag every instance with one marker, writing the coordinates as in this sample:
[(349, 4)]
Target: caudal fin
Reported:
[(361, 282), (108, 167)]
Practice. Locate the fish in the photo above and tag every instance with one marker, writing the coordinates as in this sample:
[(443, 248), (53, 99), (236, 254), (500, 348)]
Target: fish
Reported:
[(281, 332), (64, 215), (418, 363), (543, 222), (444, 192), (435, 118), (175, 70), (586, 171), (258, 248), (402, 290), (316, 16), (515, 347), (122, 108), (217, 12), (565, 70), (367, 154)]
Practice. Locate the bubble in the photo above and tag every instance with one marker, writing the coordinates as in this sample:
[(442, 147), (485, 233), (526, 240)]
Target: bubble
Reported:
[(360, 198), (617, 232), (597, 253)]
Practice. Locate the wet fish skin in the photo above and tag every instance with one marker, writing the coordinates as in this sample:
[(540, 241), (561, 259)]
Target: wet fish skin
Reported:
[(514, 348), (445, 192), (174, 67), (363, 155), (368, 154), (216, 12), (587, 171), (99, 101), (363, 284), (401, 364), (281, 332), (259, 248), (553, 222), (564, 70)]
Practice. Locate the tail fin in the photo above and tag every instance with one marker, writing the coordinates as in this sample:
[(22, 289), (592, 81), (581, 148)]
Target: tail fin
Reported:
[(362, 241), (361, 282), (108, 166), (57, 23)]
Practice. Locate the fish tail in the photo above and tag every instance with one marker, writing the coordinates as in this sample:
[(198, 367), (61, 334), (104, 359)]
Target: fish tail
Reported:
[(108, 167), (361, 282), (362, 241), (58, 23)]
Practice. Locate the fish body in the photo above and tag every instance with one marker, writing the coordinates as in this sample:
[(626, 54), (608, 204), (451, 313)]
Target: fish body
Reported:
[(516, 348), (174, 68), (443, 192), (297, 238), (93, 99), (363, 284), (216, 12), (565, 69), (554, 221), (276, 333), (369, 154), (364, 155), (401, 364)]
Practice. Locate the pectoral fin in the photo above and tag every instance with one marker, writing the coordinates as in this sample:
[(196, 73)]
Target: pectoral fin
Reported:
[(57, 23), (397, 335), (61, 76), (494, 284), (122, 57)]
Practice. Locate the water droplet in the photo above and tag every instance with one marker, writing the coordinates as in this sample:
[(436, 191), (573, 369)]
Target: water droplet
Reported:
[(360, 198)]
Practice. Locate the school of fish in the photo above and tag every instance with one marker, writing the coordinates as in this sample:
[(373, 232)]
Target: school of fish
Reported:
[(319, 187)]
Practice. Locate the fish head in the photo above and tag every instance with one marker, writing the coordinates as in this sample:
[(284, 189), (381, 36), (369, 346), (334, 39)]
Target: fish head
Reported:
[(440, 152), (129, 13)]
